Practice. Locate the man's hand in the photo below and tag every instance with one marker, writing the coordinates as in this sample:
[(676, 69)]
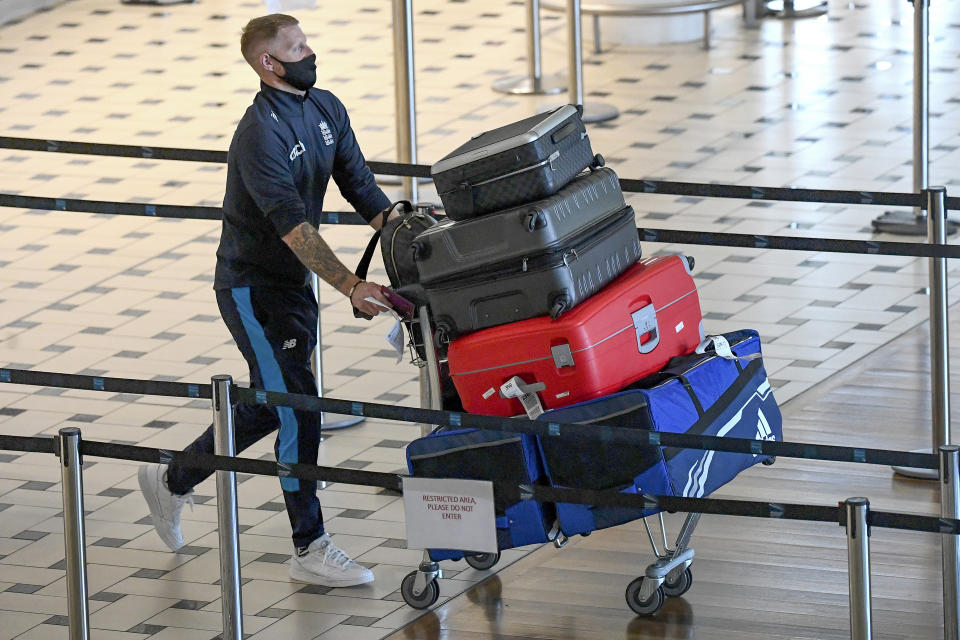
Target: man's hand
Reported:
[(377, 222), (365, 290)]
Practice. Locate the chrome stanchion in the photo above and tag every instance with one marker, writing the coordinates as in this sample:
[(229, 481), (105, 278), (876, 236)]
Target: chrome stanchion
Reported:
[(534, 82), (592, 111), (858, 568), (939, 335), (949, 543), (224, 445), (939, 319), (787, 9), (328, 421), (74, 534), (903, 222), (406, 102)]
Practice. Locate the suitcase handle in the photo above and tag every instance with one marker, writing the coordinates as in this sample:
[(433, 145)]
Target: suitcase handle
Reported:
[(645, 322), (563, 132)]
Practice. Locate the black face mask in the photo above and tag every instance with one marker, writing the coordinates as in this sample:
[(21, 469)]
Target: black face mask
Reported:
[(301, 74)]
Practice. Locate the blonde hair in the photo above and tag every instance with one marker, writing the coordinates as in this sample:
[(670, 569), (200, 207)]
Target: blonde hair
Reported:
[(261, 31)]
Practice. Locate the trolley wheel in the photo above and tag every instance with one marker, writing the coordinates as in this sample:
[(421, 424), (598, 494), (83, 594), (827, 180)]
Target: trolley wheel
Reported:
[(769, 461), (646, 607), (678, 587), (483, 561), (425, 599)]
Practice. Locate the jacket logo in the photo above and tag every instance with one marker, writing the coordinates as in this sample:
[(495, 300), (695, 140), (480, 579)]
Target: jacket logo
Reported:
[(297, 150), (327, 134), (289, 344)]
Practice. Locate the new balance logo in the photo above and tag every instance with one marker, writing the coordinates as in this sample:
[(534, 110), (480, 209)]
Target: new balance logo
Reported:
[(289, 344), (297, 150)]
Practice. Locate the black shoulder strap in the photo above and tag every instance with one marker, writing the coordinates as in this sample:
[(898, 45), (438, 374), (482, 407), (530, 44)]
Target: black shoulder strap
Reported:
[(364, 265)]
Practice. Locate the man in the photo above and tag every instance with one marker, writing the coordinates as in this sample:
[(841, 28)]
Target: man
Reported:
[(285, 149)]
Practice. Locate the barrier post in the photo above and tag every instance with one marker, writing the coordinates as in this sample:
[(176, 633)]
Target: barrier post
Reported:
[(939, 323), (74, 534), (900, 222), (224, 445), (592, 111), (949, 543), (328, 421), (534, 82), (406, 102), (937, 230), (858, 567)]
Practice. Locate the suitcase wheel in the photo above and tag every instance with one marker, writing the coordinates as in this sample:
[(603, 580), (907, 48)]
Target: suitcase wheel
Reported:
[(560, 304), (483, 561), (420, 251), (423, 600), (769, 461), (598, 161), (536, 220), (444, 331), (690, 262), (646, 607), (678, 587)]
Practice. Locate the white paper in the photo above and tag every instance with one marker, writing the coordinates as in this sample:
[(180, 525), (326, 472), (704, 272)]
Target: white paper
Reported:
[(450, 514), (395, 338)]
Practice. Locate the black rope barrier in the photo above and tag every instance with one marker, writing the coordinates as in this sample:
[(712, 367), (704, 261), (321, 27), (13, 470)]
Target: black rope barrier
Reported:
[(27, 444), (540, 493), (183, 212), (100, 383), (632, 185), (792, 243), (796, 243), (172, 153), (783, 194), (113, 150), (604, 432)]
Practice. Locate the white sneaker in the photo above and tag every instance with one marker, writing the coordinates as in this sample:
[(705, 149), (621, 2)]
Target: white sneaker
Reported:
[(165, 506), (326, 564)]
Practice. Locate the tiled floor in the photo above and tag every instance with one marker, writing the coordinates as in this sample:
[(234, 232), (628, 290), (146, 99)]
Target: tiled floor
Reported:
[(818, 103)]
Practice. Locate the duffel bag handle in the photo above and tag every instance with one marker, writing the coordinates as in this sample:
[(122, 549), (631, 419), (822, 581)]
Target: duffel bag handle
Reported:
[(364, 265)]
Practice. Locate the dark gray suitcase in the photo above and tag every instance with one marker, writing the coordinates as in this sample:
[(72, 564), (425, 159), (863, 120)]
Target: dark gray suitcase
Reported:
[(547, 283), (451, 248), (523, 161)]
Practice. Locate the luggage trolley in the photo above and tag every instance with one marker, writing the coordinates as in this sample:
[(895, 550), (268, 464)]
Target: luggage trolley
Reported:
[(419, 588), (670, 575)]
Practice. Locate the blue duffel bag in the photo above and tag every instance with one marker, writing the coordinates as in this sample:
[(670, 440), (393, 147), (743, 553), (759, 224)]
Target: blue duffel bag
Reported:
[(697, 394), (498, 456)]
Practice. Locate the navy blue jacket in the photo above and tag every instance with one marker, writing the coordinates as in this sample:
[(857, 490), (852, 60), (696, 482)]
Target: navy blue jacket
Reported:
[(282, 156)]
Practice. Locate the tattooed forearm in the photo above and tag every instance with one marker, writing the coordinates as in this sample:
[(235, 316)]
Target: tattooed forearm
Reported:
[(305, 242)]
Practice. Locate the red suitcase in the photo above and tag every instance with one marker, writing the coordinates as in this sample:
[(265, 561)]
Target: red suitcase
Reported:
[(626, 331)]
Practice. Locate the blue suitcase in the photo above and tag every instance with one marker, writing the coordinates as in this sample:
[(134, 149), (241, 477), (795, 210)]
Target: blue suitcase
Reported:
[(698, 394), (475, 454)]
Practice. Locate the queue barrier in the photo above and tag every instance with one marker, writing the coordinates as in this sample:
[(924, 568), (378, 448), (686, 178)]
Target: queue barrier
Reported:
[(853, 514), (932, 200)]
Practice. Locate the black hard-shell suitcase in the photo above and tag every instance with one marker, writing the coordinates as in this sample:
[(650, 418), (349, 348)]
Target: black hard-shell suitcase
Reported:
[(450, 249), (520, 162), (546, 283)]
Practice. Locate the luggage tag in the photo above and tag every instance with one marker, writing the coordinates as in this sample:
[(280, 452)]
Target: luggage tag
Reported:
[(395, 335), (722, 348), (517, 388)]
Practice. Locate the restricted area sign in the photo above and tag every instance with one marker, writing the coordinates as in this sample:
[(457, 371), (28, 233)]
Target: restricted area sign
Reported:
[(450, 514)]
